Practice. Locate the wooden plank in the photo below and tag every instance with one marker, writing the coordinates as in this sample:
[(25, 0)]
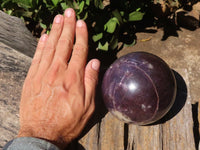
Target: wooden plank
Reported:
[(91, 140), (178, 131), (199, 121), (15, 34), (13, 69), (111, 133), (145, 137)]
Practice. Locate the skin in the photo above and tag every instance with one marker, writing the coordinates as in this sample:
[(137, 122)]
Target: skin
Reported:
[(58, 93)]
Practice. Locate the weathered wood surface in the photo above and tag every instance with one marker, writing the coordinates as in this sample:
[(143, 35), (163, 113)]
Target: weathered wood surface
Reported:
[(16, 35), (178, 130), (13, 68)]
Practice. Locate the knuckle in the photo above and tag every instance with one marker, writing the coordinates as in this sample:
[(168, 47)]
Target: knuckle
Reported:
[(49, 47), (40, 46), (51, 75), (68, 21), (56, 27), (75, 78), (59, 62), (35, 61), (37, 56), (65, 42), (91, 78), (80, 49), (56, 67)]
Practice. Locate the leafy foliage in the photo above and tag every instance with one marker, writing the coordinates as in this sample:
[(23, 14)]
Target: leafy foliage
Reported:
[(108, 23)]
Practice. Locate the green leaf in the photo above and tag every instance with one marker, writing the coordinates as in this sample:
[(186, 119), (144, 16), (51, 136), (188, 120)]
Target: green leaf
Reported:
[(22, 13), (26, 4), (87, 2), (117, 14), (55, 2), (81, 7), (97, 37), (3, 4), (85, 16), (64, 6), (114, 43), (103, 47), (122, 13), (8, 5), (48, 31), (135, 16), (43, 25), (27, 14), (9, 12), (98, 4), (75, 5), (111, 25), (138, 9)]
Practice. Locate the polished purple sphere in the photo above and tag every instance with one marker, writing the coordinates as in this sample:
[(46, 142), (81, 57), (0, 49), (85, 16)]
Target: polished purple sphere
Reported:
[(139, 88)]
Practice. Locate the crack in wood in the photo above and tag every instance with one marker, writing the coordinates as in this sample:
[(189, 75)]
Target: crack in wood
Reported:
[(195, 125), (125, 136), (98, 135)]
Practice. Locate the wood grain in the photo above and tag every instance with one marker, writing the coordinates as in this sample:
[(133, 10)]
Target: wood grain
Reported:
[(16, 35), (13, 69)]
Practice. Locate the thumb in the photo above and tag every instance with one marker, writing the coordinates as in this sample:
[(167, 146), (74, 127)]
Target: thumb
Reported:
[(91, 80)]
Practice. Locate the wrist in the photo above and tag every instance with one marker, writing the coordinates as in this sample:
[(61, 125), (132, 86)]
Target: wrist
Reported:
[(52, 138)]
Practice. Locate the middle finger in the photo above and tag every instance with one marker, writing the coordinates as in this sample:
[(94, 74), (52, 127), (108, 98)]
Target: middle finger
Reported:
[(65, 43)]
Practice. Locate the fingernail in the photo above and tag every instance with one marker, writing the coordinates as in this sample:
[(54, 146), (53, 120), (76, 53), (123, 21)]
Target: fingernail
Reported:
[(43, 38), (58, 19), (69, 12), (80, 23), (95, 65)]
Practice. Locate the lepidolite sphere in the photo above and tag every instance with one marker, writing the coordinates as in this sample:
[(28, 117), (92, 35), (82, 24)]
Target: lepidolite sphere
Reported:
[(139, 88)]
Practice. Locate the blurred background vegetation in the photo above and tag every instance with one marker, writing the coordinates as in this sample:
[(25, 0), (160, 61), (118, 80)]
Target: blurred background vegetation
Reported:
[(112, 23)]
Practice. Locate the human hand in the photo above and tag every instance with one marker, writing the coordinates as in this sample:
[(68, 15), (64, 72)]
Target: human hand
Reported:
[(59, 90)]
